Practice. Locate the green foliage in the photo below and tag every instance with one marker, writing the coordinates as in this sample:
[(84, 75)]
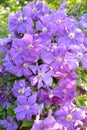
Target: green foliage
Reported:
[(54, 4), (3, 21), (1, 128), (81, 100), (73, 4), (10, 111), (1, 81), (2, 113), (27, 124)]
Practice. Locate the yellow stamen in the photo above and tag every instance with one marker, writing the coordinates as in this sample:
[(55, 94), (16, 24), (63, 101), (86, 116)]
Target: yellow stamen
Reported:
[(71, 35), (44, 29), (69, 117), (20, 19), (25, 65), (26, 107)]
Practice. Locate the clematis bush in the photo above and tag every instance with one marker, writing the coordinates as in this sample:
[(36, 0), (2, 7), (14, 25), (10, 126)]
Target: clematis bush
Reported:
[(41, 63)]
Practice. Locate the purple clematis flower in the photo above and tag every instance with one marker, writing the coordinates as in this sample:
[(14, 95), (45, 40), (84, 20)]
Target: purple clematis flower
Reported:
[(71, 36), (26, 107), (20, 22), (21, 88), (58, 18), (16, 51), (65, 91), (70, 116), (32, 48), (48, 123), (65, 73), (42, 76), (76, 55), (24, 48), (36, 11), (9, 124), (18, 70), (46, 27), (55, 58)]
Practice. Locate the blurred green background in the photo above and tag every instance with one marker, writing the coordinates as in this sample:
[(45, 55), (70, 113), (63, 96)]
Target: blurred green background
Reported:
[(11, 6)]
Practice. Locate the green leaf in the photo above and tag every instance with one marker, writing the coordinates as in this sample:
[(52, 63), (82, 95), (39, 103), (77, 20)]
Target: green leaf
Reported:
[(10, 111), (81, 100), (1, 54), (2, 113), (27, 124), (1, 81), (1, 128), (1, 62)]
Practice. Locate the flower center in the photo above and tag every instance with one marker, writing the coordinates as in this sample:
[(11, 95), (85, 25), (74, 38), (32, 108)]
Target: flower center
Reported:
[(25, 65), (59, 59), (2, 95), (40, 75), (80, 55), (58, 21), (71, 35), (26, 107), (20, 19), (69, 117), (21, 91), (51, 95), (34, 10), (9, 124), (65, 75), (20, 50), (64, 91), (30, 46), (44, 29)]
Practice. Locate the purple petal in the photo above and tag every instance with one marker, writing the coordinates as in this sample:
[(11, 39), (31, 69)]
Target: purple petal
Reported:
[(32, 99), (22, 100)]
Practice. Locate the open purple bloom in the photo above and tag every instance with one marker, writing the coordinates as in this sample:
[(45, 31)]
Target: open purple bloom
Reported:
[(71, 36), (16, 51), (48, 123), (21, 88), (58, 18), (65, 73), (9, 124), (69, 116), (26, 107), (24, 48), (46, 27), (65, 91), (36, 11), (32, 48), (19, 22), (55, 58), (42, 77), (18, 70), (76, 55)]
